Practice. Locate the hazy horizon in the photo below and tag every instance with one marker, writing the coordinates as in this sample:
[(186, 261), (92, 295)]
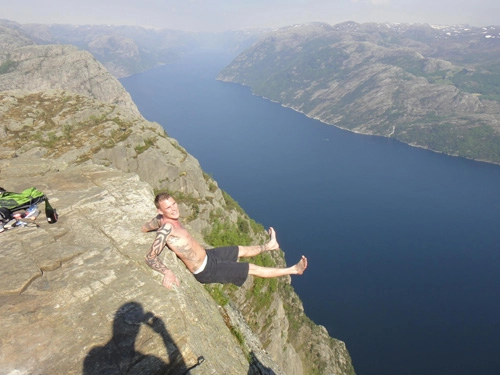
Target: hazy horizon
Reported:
[(223, 15)]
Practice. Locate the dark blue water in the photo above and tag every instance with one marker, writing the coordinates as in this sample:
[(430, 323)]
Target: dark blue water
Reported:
[(403, 244)]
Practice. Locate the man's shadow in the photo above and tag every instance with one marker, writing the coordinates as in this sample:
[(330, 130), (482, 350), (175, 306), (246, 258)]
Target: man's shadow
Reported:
[(119, 356)]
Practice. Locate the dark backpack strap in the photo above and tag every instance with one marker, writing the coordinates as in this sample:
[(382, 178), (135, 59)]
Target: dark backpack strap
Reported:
[(5, 215)]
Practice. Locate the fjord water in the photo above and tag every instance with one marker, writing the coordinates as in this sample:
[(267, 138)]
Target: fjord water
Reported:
[(403, 243)]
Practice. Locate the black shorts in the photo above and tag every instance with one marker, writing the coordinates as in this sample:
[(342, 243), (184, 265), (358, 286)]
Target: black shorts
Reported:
[(223, 267)]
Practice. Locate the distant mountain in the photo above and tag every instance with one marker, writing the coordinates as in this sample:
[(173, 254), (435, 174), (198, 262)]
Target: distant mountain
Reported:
[(428, 86), (125, 50)]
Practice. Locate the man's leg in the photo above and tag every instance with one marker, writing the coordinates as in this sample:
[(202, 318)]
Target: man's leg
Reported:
[(251, 251), (297, 269)]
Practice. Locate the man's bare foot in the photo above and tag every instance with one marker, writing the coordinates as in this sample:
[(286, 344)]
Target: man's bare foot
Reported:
[(273, 243), (301, 266)]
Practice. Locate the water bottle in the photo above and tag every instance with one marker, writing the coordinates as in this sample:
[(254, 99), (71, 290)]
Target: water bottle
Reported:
[(32, 212)]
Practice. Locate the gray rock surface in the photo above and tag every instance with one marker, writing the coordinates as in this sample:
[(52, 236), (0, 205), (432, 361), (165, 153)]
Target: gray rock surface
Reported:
[(62, 67), (98, 164), (76, 297), (81, 285)]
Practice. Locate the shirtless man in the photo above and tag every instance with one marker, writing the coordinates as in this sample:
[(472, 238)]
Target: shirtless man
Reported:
[(219, 265)]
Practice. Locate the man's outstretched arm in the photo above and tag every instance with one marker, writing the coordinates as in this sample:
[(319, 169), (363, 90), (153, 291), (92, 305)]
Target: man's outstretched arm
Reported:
[(153, 260), (152, 225)]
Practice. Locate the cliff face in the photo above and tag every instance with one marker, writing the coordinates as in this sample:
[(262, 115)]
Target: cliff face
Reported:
[(76, 296), (39, 68)]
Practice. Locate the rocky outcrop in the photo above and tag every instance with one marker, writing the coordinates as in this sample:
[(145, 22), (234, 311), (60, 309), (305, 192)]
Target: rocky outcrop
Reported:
[(77, 296), (85, 142), (76, 129), (10, 39), (62, 67)]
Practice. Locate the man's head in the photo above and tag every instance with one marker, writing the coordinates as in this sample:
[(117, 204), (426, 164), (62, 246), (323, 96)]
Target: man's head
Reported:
[(167, 206), (161, 197)]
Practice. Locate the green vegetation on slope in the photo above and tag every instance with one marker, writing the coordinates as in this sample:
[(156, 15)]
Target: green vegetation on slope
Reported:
[(305, 336), (484, 81), (478, 142)]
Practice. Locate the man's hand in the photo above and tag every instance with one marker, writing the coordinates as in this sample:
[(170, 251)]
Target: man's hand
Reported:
[(152, 225), (169, 279)]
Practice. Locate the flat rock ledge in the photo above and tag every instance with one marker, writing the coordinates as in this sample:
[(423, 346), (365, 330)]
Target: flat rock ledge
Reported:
[(77, 298)]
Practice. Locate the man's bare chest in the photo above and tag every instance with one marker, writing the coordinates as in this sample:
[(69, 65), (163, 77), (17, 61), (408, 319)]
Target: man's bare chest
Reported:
[(179, 239)]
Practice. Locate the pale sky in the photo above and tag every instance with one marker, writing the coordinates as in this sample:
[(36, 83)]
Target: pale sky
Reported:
[(221, 15)]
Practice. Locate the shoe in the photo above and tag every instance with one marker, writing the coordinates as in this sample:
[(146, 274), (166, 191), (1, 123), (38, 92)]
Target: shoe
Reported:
[(29, 224), (11, 224)]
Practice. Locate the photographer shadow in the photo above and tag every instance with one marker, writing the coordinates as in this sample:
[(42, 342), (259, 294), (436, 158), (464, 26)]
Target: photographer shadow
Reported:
[(257, 368), (119, 355)]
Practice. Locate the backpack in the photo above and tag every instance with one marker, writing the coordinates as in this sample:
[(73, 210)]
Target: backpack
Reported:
[(11, 202)]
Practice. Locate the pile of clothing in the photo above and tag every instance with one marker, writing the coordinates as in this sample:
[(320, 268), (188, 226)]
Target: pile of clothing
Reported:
[(22, 209)]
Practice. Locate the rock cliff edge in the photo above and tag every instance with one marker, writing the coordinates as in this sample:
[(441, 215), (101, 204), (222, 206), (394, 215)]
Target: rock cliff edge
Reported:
[(76, 297)]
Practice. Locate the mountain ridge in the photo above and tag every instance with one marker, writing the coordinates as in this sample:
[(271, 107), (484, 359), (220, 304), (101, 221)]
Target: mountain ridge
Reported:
[(426, 86), (126, 50)]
